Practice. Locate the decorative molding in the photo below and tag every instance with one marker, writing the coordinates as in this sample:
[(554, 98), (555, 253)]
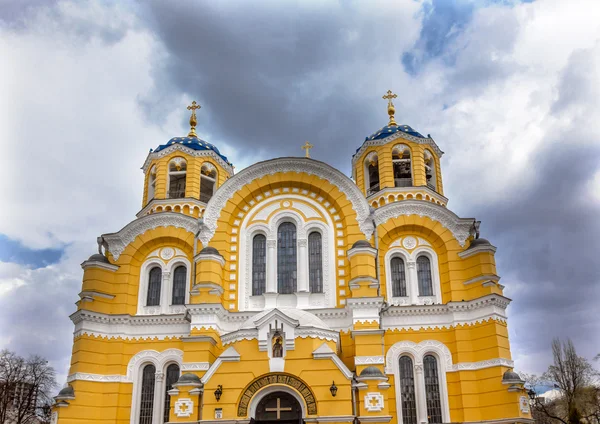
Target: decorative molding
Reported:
[(483, 278), (325, 352), (409, 242), (117, 242), (369, 360), (417, 351), (282, 165), (184, 407), (477, 249), (461, 228), (405, 191), (374, 419), (97, 264), (214, 288), (371, 251), (488, 363), (159, 359), (91, 295), (177, 147), (373, 401), (98, 378), (210, 257), (195, 366)]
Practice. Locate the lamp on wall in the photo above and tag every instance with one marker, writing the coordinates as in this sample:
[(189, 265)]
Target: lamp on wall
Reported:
[(218, 392), (333, 389)]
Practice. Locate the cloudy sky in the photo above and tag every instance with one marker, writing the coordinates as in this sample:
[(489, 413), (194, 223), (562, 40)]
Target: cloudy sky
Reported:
[(509, 90)]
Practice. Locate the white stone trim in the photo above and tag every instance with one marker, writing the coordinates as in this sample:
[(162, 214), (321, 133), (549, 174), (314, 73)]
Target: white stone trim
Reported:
[(417, 352), (153, 205), (461, 228), (331, 419), (369, 360), (325, 352), (282, 165), (195, 366), (267, 390), (210, 257), (373, 396), (117, 242), (189, 151), (371, 251), (479, 365), (229, 355), (477, 249), (483, 278), (98, 378), (97, 264)]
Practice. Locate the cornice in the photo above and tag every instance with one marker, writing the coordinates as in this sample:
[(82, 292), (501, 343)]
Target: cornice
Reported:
[(371, 251), (97, 264), (461, 228), (214, 288), (355, 282), (281, 165), (209, 257), (117, 242), (399, 134), (483, 278), (184, 149), (411, 190), (477, 249), (186, 201)]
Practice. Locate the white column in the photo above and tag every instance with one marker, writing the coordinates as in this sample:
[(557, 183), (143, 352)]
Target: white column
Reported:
[(271, 293), (165, 292), (412, 283), (159, 378), (420, 395), (302, 265)]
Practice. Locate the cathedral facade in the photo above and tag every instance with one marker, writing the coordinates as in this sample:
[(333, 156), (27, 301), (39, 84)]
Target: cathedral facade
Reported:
[(289, 292)]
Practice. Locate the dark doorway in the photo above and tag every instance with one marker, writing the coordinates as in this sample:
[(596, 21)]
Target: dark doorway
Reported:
[(278, 407)]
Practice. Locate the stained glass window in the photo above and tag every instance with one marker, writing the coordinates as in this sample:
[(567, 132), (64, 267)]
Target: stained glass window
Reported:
[(286, 258), (147, 396), (154, 280), (259, 264), (315, 263), (407, 391), (432, 389), (398, 277), (179, 285), (171, 378), (424, 276)]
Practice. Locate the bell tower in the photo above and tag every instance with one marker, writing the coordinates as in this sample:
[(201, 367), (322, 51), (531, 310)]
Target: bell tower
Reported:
[(398, 163)]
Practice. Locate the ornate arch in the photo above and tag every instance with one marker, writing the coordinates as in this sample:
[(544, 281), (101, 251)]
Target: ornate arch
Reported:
[(461, 228), (117, 242), (417, 351), (282, 165), (159, 359)]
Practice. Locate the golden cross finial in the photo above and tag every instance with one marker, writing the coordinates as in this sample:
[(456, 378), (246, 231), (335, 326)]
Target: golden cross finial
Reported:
[(193, 121), (307, 146), (391, 109)]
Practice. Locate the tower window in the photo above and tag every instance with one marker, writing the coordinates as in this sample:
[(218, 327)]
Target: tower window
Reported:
[(151, 183), (259, 264), (315, 263), (402, 166), (171, 378), (179, 284), (430, 173), (424, 276), (286, 258), (147, 396), (177, 177), (398, 277), (208, 181), (154, 280), (407, 391), (372, 173), (432, 389)]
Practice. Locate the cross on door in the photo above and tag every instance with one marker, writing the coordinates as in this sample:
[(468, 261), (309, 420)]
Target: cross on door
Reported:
[(278, 409)]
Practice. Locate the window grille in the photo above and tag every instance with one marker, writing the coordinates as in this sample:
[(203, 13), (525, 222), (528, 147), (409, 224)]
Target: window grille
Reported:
[(286, 258), (155, 276), (147, 397), (315, 263), (259, 264), (398, 277), (424, 276), (171, 378), (432, 390), (407, 391), (179, 285)]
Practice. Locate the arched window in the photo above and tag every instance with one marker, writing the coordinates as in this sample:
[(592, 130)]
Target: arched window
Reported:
[(208, 181), (424, 276), (147, 396), (171, 378), (286, 258), (432, 389), (151, 183), (259, 265), (315, 263), (154, 280), (407, 391), (179, 285), (372, 173), (402, 166), (398, 277), (430, 174), (177, 174)]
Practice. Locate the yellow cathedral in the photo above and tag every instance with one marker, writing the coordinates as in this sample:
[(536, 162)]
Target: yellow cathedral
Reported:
[(291, 293)]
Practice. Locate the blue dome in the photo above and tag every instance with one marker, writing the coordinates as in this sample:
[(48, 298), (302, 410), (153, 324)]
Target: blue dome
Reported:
[(389, 130), (193, 143)]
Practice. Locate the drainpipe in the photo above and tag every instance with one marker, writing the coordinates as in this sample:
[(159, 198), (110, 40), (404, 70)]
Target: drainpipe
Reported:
[(354, 398)]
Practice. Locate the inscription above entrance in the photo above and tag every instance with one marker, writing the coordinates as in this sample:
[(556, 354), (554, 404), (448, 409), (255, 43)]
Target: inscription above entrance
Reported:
[(280, 379)]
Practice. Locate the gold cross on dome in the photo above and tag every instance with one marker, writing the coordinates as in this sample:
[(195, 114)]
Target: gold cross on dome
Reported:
[(307, 146), (391, 109), (278, 409), (193, 107)]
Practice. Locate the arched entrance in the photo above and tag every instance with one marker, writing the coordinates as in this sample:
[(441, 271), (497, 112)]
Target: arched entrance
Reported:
[(280, 407)]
